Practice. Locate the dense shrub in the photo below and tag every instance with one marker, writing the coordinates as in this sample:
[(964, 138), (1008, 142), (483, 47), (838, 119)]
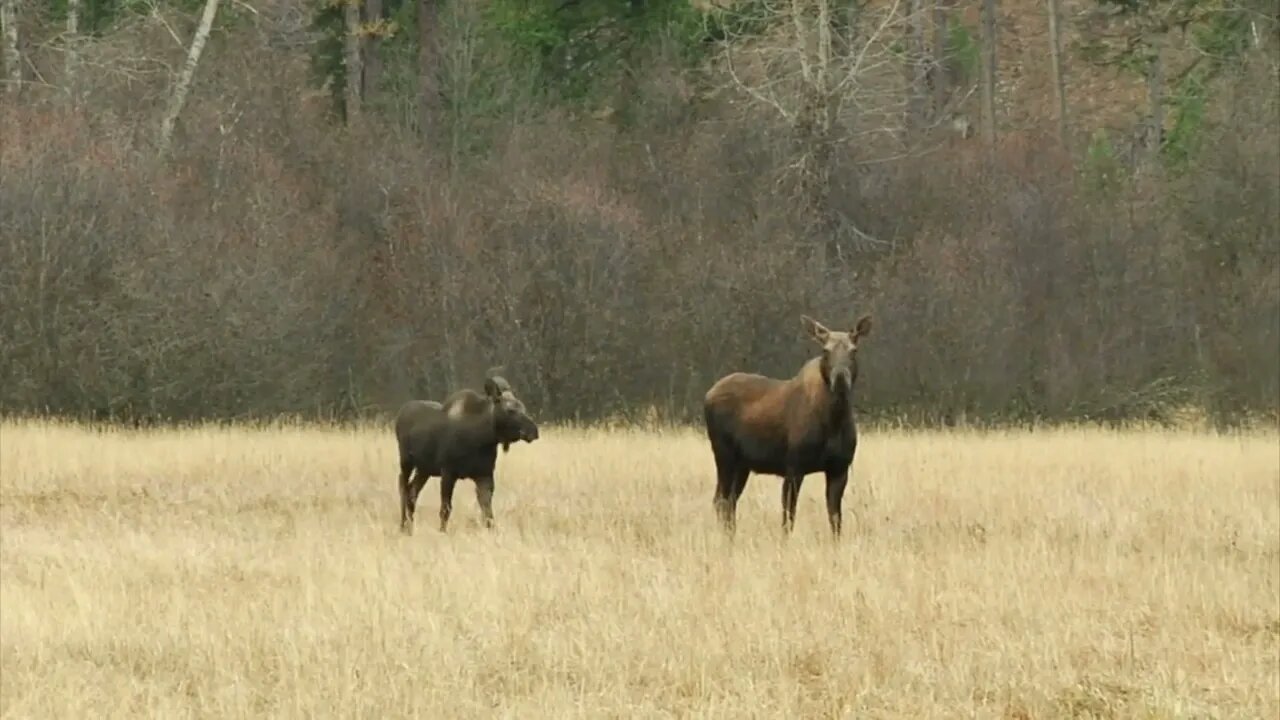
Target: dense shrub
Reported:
[(278, 263)]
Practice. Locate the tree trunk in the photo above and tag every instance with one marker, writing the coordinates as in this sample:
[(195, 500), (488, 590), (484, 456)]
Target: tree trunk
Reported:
[(917, 66), (73, 41), (813, 147), (428, 88), (1059, 74), (1155, 99), (940, 70), (351, 58), (188, 73), (12, 58), (372, 62), (814, 124), (989, 74)]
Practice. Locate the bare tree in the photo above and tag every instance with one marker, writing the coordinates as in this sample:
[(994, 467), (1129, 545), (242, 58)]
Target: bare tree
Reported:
[(428, 70), (458, 65), (989, 73), (12, 57), (832, 83), (183, 86), (1059, 79)]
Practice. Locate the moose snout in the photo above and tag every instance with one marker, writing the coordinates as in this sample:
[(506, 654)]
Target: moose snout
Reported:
[(841, 379), (530, 433)]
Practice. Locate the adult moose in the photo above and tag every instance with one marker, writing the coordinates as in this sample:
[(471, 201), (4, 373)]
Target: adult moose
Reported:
[(458, 439), (788, 428)]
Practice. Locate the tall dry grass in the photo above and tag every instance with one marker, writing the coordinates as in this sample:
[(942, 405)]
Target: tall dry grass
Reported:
[(236, 572)]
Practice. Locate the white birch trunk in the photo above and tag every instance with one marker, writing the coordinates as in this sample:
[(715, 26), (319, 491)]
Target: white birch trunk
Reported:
[(183, 86), (12, 59), (73, 40)]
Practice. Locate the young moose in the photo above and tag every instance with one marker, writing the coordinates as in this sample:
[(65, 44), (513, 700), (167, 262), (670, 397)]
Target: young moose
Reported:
[(788, 428), (458, 439)]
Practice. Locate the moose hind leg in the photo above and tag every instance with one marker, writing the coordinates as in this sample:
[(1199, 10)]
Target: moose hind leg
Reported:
[(406, 510), (420, 478), (737, 484), (484, 494), (724, 500)]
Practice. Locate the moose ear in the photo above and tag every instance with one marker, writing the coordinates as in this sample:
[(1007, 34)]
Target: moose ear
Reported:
[(863, 328), (493, 389), (816, 330)]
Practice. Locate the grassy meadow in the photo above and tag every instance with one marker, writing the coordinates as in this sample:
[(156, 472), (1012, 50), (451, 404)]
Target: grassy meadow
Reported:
[(227, 573)]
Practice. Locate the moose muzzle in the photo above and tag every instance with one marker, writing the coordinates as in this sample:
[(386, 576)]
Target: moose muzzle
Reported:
[(841, 380), (529, 433)]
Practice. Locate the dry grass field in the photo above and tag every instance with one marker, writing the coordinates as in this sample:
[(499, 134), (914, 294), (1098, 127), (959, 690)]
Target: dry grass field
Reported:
[(230, 573)]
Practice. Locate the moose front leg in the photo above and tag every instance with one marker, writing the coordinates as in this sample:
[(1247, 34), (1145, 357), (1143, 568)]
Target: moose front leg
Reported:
[(447, 483), (836, 482), (790, 494), (484, 494)]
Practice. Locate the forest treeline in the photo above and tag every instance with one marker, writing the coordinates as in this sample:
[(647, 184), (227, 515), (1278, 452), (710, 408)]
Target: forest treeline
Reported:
[(240, 208)]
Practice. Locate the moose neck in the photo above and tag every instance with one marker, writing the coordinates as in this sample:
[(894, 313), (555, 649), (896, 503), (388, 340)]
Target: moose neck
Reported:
[(839, 402)]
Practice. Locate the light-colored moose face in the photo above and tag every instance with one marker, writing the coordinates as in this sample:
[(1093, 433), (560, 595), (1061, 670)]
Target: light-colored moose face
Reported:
[(839, 351)]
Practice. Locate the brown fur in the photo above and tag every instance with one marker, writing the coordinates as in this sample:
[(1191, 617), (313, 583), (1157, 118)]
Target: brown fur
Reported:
[(457, 439), (789, 428)]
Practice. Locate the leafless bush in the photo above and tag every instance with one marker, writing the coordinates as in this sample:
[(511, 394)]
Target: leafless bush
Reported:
[(279, 264)]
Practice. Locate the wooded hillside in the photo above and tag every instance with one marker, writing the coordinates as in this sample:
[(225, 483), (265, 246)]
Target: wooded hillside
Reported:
[(232, 208)]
